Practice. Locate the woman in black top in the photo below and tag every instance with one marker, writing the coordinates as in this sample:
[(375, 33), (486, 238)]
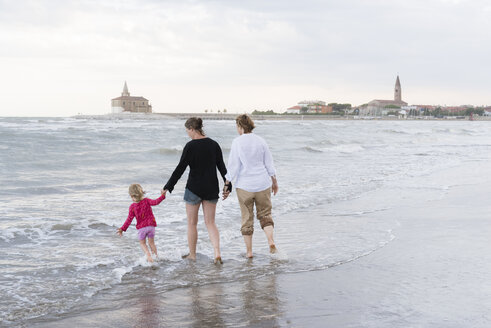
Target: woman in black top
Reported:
[(204, 156)]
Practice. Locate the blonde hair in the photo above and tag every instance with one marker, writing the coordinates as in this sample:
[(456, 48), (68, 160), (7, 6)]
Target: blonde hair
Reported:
[(136, 192), (245, 122)]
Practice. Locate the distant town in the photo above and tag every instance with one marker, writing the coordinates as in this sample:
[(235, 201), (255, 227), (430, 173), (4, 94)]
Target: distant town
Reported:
[(377, 108), (388, 107)]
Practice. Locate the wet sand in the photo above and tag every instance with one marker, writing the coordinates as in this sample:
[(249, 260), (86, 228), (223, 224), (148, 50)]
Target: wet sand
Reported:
[(435, 273)]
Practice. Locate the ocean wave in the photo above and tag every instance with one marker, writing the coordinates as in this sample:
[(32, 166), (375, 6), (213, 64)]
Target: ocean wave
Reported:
[(171, 150), (393, 131), (456, 131), (312, 149), (347, 148), (29, 233), (340, 148), (62, 227), (98, 225), (359, 213)]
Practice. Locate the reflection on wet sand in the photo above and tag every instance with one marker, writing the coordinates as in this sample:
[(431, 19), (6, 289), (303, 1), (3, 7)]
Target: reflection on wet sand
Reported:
[(255, 304), (252, 302), (260, 302), (207, 306), (149, 309)]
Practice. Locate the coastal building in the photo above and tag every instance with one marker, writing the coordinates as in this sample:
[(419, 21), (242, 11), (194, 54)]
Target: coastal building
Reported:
[(294, 110), (127, 103), (310, 107), (379, 107)]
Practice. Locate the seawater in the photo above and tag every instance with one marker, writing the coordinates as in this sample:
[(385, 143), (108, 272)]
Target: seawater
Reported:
[(64, 193)]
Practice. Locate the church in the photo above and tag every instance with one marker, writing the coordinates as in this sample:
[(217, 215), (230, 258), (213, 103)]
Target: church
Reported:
[(379, 107), (127, 103)]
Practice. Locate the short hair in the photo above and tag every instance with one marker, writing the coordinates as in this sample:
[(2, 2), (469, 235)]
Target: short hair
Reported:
[(136, 191), (195, 123), (245, 122)]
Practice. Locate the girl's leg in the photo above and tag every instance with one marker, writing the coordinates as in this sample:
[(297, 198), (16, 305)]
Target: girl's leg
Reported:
[(143, 245), (151, 243), (192, 213), (209, 210)]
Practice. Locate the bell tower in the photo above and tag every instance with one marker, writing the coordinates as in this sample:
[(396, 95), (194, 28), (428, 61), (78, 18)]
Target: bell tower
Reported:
[(125, 92), (397, 90)]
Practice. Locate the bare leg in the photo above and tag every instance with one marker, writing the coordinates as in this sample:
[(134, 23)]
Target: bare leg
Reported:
[(143, 245), (151, 243), (248, 242), (268, 230), (209, 210), (192, 213)]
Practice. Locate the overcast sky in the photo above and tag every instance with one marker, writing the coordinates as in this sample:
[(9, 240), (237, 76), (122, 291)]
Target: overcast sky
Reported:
[(62, 57)]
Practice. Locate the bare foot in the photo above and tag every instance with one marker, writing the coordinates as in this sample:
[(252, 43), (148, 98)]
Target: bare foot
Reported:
[(249, 255), (218, 260), (149, 259), (189, 257), (272, 249)]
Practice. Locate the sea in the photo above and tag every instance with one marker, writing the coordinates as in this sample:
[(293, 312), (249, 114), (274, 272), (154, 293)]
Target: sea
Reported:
[(64, 192)]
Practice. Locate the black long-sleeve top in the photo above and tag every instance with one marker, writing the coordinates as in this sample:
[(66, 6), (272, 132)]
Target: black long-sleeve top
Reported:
[(203, 156)]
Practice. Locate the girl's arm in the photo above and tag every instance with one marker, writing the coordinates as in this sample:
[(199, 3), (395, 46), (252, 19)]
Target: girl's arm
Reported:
[(157, 201), (131, 216), (179, 170)]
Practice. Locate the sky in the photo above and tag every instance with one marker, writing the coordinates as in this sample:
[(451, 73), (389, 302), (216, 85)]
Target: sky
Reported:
[(63, 57)]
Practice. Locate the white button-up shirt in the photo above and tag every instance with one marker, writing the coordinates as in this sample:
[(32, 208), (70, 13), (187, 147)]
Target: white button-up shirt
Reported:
[(250, 164)]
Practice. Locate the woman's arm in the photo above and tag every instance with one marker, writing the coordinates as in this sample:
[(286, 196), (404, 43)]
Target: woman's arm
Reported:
[(274, 186), (179, 170), (268, 164), (233, 162), (219, 161), (268, 160)]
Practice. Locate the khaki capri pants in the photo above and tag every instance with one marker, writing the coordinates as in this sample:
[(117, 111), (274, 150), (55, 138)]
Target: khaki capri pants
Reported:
[(247, 200)]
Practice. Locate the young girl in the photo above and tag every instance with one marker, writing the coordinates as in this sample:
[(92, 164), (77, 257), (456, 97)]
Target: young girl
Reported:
[(145, 221)]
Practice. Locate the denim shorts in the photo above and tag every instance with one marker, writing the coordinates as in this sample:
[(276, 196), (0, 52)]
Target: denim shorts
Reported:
[(193, 199)]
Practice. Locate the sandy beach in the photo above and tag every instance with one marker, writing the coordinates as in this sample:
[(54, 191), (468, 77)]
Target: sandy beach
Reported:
[(432, 274)]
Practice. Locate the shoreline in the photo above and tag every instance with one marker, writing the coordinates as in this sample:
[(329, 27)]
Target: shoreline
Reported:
[(432, 274), (282, 117)]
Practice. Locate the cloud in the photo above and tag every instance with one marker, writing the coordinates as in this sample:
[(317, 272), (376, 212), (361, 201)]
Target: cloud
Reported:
[(350, 49)]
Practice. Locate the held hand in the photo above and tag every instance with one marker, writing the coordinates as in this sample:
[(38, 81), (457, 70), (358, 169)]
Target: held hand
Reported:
[(164, 191), (227, 189), (120, 232), (227, 186)]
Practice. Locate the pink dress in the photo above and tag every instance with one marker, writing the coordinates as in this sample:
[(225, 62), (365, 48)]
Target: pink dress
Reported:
[(143, 213)]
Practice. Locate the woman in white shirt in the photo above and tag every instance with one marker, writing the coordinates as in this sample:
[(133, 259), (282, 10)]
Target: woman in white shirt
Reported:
[(250, 167)]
